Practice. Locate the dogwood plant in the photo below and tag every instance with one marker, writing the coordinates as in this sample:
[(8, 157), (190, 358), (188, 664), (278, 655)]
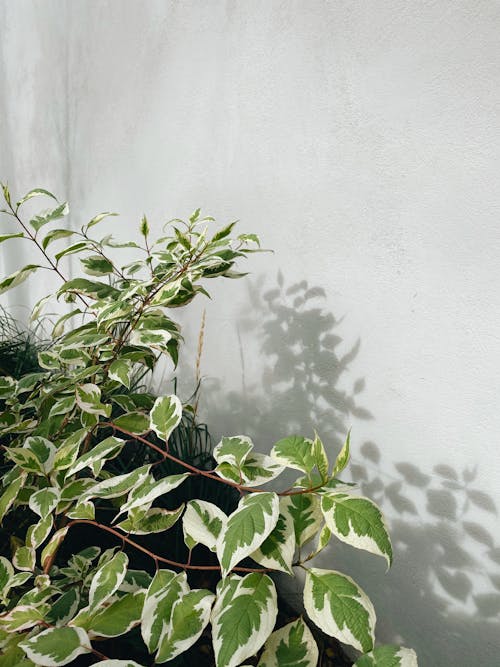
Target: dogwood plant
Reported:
[(61, 426)]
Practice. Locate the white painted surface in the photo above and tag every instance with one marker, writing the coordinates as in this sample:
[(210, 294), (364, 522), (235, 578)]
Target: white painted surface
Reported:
[(361, 141)]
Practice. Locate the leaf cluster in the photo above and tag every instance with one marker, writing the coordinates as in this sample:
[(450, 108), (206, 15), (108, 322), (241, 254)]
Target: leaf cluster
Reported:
[(64, 425)]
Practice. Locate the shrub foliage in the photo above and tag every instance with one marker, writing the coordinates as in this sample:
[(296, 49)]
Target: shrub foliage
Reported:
[(60, 428)]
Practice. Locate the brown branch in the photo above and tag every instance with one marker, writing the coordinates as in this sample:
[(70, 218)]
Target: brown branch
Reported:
[(156, 557), (206, 473)]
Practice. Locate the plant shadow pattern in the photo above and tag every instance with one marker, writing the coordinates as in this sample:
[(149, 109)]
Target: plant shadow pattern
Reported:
[(444, 587)]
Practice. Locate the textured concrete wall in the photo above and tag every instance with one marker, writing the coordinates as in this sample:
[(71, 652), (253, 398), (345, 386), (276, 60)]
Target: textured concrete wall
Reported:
[(360, 140)]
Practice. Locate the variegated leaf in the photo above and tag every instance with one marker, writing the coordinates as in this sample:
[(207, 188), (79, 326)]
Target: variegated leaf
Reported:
[(24, 559), (53, 545), (305, 512), (388, 656), (121, 370), (202, 523), (278, 548), (56, 646), (84, 509), (246, 528), (64, 608), (243, 617), (165, 416), (88, 399), (320, 458), (154, 520), (151, 489), (67, 453), (233, 450), (133, 422), (291, 646), (343, 457), (38, 532), (340, 608), (10, 494), (119, 485), (255, 470), (165, 588), (6, 574), (357, 521), (119, 617), (22, 617), (45, 501), (295, 452), (189, 617), (107, 579), (37, 455), (104, 451)]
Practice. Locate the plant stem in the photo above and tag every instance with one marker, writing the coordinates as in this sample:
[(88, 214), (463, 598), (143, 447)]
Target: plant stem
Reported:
[(156, 557)]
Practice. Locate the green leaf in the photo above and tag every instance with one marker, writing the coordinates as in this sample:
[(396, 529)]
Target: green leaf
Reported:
[(165, 416), (343, 457), (243, 617), (388, 656), (135, 422), (54, 235), (155, 520), (189, 617), (55, 214), (6, 237), (18, 277), (97, 218), (358, 522), (107, 579), (95, 265), (116, 663), (340, 608), (56, 646), (247, 528), (10, 494), (119, 617), (291, 646), (165, 588), (223, 233), (202, 524), (98, 455), (72, 250), (305, 512), (295, 452), (278, 548)]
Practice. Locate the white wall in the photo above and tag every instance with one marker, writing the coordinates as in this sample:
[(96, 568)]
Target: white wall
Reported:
[(360, 140)]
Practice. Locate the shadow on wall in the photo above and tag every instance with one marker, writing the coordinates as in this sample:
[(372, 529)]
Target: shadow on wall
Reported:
[(442, 596)]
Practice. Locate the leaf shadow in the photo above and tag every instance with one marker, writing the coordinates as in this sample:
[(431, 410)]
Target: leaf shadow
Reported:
[(442, 596)]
